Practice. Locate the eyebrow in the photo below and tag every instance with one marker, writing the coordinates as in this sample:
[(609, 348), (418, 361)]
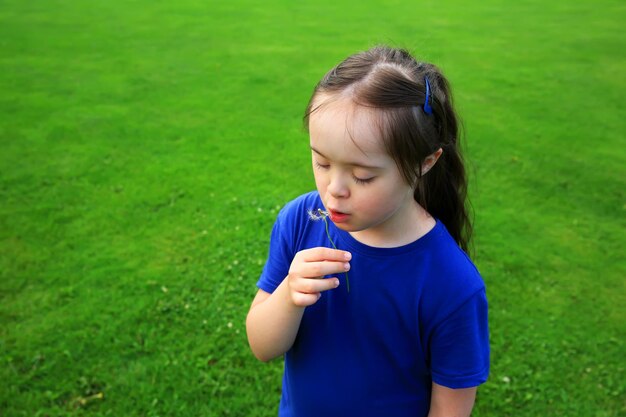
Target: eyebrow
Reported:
[(356, 164)]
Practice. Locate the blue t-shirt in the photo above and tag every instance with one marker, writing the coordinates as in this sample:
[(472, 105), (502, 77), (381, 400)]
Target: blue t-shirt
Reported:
[(414, 314)]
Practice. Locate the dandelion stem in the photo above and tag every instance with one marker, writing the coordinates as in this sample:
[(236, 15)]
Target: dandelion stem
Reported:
[(334, 246)]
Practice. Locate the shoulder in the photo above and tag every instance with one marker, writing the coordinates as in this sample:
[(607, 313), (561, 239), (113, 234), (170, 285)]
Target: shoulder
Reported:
[(449, 259), (300, 206), (293, 221), (453, 279), (289, 235)]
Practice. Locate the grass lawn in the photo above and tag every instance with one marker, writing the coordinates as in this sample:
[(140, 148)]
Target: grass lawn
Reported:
[(146, 147)]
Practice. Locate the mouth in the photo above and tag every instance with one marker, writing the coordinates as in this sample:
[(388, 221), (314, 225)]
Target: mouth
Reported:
[(337, 216)]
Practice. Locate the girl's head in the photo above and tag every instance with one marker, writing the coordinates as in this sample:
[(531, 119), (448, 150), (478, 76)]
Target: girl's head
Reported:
[(384, 90)]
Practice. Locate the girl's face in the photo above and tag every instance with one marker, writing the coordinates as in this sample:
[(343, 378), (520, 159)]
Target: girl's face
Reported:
[(359, 183)]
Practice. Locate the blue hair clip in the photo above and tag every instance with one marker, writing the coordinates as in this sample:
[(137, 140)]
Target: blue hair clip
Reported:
[(427, 108)]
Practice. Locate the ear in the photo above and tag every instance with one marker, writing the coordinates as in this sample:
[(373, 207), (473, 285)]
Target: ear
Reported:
[(431, 160)]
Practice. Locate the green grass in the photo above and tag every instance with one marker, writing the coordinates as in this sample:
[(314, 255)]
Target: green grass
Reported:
[(147, 146)]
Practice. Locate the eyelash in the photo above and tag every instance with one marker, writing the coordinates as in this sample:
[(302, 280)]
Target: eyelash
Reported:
[(359, 181)]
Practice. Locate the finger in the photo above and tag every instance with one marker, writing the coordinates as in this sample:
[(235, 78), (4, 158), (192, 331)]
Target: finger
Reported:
[(325, 254), (320, 269), (314, 286), (305, 300)]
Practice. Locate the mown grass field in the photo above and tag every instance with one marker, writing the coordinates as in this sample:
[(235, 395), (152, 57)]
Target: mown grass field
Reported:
[(146, 147)]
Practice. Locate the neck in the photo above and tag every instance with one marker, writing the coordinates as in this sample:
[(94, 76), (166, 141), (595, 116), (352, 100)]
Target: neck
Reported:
[(413, 226)]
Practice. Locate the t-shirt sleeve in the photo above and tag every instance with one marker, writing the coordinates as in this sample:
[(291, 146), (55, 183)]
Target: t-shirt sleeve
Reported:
[(460, 345), (279, 258)]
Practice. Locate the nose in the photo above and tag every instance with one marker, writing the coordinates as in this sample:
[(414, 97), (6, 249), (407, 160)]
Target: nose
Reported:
[(338, 186)]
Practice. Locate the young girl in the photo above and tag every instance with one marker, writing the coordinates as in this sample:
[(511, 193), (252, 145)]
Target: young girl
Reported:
[(367, 290)]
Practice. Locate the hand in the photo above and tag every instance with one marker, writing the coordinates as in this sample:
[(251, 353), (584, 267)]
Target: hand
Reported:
[(307, 269)]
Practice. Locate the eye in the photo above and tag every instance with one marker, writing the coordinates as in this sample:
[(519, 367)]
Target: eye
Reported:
[(321, 166), (362, 181)]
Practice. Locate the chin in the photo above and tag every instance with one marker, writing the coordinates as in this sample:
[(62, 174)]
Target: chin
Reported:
[(347, 227)]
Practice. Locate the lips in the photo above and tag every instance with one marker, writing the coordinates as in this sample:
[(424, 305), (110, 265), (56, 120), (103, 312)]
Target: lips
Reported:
[(337, 216)]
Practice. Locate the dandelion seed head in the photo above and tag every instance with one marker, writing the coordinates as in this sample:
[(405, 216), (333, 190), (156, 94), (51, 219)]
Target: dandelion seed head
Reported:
[(317, 214), (312, 215)]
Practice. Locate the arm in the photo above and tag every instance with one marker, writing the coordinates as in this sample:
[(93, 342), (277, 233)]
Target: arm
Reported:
[(273, 320), (448, 402)]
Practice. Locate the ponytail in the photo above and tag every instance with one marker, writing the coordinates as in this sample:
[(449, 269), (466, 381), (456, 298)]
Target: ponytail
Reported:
[(442, 191)]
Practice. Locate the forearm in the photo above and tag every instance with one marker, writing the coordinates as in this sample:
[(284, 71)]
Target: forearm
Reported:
[(272, 323), (274, 319)]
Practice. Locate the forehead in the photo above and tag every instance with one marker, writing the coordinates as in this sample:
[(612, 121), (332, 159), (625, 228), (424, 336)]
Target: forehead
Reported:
[(339, 121)]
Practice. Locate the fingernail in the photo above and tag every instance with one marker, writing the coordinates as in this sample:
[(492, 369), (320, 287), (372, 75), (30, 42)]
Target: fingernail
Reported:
[(336, 283), (346, 266), (347, 255)]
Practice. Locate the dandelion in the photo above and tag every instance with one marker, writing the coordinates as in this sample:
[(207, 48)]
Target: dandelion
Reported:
[(320, 214)]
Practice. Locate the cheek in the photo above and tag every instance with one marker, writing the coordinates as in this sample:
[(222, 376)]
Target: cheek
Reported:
[(320, 183), (376, 200), (386, 199)]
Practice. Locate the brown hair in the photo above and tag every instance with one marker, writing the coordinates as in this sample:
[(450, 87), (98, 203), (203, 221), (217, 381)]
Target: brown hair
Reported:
[(392, 82)]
